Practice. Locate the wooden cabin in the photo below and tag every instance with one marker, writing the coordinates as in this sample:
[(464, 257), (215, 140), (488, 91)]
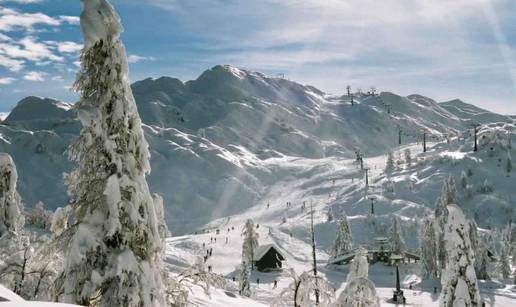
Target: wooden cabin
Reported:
[(268, 258)]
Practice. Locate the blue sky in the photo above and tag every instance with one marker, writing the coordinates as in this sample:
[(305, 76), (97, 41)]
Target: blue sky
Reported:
[(440, 48)]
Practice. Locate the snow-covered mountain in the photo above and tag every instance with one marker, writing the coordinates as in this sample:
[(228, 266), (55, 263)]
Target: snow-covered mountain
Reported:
[(222, 142)]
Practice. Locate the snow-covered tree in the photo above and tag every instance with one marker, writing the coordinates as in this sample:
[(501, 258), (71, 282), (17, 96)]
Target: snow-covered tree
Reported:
[(244, 284), (11, 207), (160, 215), (113, 256), (503, 265), (448, 196), (508, 163), (408, 156), (360, 292), (481, 256), (39, 217), (329, 214), (27, 268), (428, 249), (250, 243), (390, 164), (486, 187), (359, 266), (343, 240), (301, 291), (464, 179), (459, 282), (59, 223), (199, 275), (395, 236)]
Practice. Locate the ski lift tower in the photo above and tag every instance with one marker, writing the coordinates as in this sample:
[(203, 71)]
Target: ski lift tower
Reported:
[(372, 198), (475, 131)]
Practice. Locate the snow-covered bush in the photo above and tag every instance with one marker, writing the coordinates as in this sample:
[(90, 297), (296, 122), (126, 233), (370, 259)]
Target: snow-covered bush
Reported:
[(11, 207), (113, 257)]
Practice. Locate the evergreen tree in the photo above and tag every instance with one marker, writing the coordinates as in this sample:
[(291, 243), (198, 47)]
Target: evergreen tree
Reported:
[(481, 256), (113, 256), (503, 264), (448, 196), (390, 164), (508, 163), (250, 243), (244, 285), (428, 249), (343, 240), (11, 207), (459, 282), (395, 236), (464, 180), (359, 266), (408, 156)]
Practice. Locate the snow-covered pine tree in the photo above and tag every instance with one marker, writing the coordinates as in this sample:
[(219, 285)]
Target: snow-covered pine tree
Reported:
[(250, 243), (360, 292), (503, 265), (481, 256), (244, 284), (390, 164), (508, 163), (11, 207), (113, 257), (459, 282), (343, 240), (395, 236), (408, 156), (359, 267), (59, 221), (464, 179), (448, 196), (428, 249), (160, 215), (329, 214)]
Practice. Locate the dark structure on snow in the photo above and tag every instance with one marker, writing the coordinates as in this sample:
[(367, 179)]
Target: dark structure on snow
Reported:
[(268, 258)]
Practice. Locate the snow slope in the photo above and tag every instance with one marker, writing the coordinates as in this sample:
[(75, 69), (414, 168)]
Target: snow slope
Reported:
[(415, 188)]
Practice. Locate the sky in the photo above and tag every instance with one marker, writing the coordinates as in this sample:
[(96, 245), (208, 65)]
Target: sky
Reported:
[(443, 49)]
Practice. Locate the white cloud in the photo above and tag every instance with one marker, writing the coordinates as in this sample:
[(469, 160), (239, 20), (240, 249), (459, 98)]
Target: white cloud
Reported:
[(11, 64), (5, 81), (29, 49), (57, 78), (133, 58), (35, 76), (21, 1), (73, 20), (66, 46), (11, 19)]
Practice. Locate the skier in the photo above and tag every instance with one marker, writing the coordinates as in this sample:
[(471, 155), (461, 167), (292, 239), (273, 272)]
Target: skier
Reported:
[(275, 284)]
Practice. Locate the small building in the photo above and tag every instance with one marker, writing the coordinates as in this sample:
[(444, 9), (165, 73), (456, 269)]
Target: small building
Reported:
[(268, 258)]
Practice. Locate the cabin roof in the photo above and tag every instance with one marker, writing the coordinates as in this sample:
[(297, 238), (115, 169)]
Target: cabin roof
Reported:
[(263, 249)]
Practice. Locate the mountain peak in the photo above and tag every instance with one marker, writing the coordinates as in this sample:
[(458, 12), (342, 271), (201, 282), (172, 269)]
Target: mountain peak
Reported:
[(34, 108)]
